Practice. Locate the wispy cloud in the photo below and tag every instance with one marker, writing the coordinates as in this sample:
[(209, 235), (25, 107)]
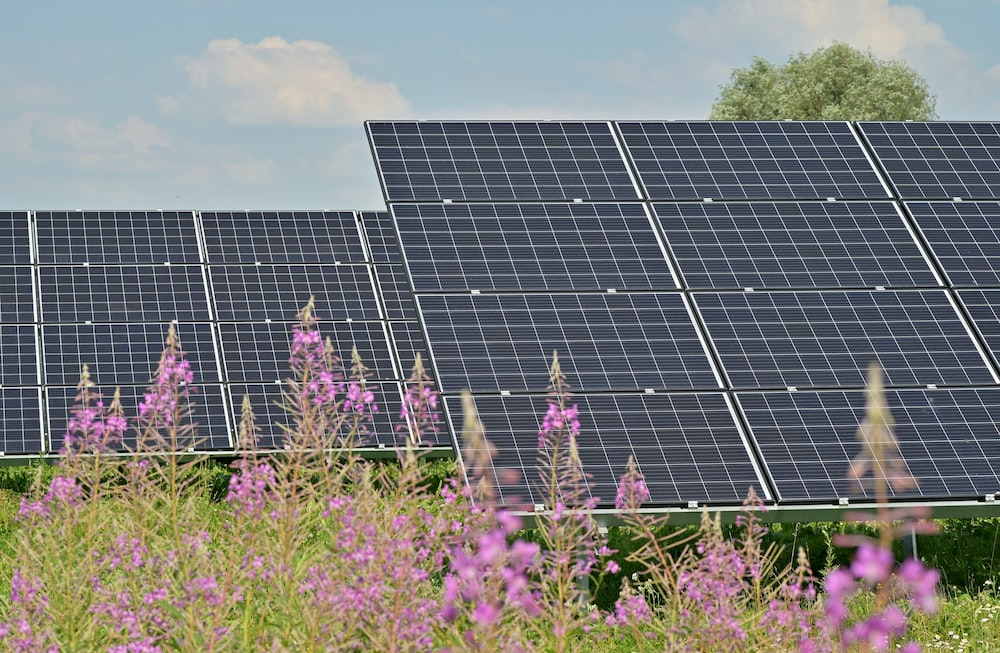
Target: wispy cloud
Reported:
[(304, 83)]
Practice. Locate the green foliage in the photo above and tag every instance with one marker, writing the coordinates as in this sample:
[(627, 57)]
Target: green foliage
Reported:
[(833, 83)]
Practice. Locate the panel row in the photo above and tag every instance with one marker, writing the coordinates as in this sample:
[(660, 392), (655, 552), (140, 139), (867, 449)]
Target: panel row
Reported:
[(565, 161)]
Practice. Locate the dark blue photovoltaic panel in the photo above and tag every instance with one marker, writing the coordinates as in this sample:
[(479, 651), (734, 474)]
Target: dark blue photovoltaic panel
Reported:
[(266, 399), (519, 247), (409, 340), (687, 446), (984, 308), (21, 421), (965, 238), (15, 243), (209, 416), (828, 339), (610, 341), (394, 287), (122, 354), (750, 161), (17, 300), (793, 245), (18, 355), (380, 233), (282, 237), (938, 160), (948, 439), (259, 351), (116, 237), (491, 161), (129, 293), (280, 292)]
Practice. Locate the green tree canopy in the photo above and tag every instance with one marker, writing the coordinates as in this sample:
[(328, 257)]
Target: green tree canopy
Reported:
[(833, 83)]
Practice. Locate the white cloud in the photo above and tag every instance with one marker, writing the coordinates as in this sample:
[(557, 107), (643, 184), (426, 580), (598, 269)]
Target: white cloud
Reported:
[(302, 83)]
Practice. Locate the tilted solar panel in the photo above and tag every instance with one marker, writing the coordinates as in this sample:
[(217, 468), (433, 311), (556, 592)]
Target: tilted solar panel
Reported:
[(122, 354), (209, 416), (278, 292), (938, 160), (15, 238), (127, 293), (18, 355), (605, 341), (964, 237), (948, 439), (750, 161), (259, 351), (687, 445), (793, 245), (828, 338), (117, 237), (394, 289), (17, 299), (519, 247), (380, 234), (250, 237), (21, 421), (408, 340), (494, 161)]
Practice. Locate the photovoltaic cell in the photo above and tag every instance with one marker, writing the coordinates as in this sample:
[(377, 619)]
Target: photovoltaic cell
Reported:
[(793, 245), (259, 351), (394, 288), (17, 300), (266, 399), (750, 161), (610, 341), (520, 247), (15, 242), (828, 338), (491, 161), (686, 445), (18, 355), (380, 233), (116, 237), (122, 354), (279, 292), (209, 416), (965, 238), (948, 439), (21, 421), (129, 293), (983, 306), (409, 340), (938, 160), (282, 237)]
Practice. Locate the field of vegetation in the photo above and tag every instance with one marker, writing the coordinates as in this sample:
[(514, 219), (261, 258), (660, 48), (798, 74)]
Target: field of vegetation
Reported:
[(306, 551)]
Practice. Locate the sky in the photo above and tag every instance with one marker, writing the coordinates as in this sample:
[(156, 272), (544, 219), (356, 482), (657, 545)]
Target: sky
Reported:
[(256, 104)]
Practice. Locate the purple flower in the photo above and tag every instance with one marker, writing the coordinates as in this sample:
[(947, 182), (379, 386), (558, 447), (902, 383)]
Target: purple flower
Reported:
[(872, 563)]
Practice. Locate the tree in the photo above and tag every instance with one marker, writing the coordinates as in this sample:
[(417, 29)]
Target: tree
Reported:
[(832, 83)]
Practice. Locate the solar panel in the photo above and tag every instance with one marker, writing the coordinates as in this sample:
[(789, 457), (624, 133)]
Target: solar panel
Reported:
[(116, 237), (609, 341), (380, 233), (828, 338), (518, 247), (750, 161), (490, 161), (938, 160), (130, 293), (18, 355), (265, 400), (259, 351), (394, 288), (15, 239), (687, 446), (965, 238), (236, 237), (278, 292), (209, 416), (793, 245), (20, 421), (983, 305), (122, 354), (408, 339), (948, 438), (17, 300)]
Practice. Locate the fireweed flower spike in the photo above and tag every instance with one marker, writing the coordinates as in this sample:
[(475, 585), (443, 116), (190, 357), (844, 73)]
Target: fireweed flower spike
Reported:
[(166, 406), (419, 415)]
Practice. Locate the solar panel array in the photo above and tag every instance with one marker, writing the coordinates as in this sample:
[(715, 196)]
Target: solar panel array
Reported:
[(100, 288), (715, 292)]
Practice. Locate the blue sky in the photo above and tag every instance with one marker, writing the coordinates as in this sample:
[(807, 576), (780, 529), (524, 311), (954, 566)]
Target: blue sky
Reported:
[(226, 104)]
